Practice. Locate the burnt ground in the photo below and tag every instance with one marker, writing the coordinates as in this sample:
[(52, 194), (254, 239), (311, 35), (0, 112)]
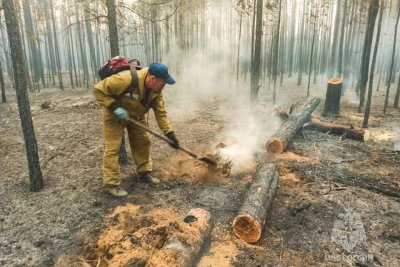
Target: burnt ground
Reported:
[(61, 224)]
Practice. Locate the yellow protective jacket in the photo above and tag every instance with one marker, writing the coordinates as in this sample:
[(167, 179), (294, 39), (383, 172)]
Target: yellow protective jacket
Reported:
[(109, 93)]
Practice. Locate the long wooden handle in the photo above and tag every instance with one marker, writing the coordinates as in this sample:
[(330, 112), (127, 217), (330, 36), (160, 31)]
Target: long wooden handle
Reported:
[(147, 129)]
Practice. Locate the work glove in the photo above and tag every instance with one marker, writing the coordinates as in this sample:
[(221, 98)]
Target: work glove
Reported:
[(121, 114), (174, 141)]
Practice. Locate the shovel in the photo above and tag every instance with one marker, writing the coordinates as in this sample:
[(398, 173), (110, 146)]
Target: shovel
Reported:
[(189, 152)]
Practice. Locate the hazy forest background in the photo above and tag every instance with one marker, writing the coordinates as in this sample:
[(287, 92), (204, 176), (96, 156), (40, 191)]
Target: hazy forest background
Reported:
[(64, 42), (251, 45)]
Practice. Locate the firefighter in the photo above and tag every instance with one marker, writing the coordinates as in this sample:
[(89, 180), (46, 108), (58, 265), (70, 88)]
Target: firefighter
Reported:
[(119, 105)]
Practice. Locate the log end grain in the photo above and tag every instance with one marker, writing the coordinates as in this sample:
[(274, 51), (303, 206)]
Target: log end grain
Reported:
[(247, 228), (366, 135), (274, 146), (335, 80)]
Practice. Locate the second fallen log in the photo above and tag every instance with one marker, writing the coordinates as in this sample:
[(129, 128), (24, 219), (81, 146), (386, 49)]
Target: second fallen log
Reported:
[(301, 114), (251, 217), (345, 131)]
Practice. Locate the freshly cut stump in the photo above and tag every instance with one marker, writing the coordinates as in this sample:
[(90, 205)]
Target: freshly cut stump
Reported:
[(251, 217), (332, 99), (185, 252)]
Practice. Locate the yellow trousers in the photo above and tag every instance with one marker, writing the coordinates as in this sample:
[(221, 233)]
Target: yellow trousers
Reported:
[(139, 142)]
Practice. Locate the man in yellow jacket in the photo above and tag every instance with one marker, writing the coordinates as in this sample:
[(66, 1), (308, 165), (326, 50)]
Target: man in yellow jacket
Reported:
[(118, 105)]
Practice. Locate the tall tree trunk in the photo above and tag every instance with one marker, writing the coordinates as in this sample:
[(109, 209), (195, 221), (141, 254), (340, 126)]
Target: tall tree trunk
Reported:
[(253, 29), (392, 62), (256, 61), (332, 59), (300, 51), (35, 60), (238, 49), (58, 59), (89, 34), (375, 4), (14, 36), (372, 13), (3, 89), (396, 98), (276, 54), (311, 58), (81, 52), (114, 48), (342, 33), (51, 55)]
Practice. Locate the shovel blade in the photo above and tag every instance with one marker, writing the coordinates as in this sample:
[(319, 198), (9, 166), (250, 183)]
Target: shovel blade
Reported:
[(208, 161)]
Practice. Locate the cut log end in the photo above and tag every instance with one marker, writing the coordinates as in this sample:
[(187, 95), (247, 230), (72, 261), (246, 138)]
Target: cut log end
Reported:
[(274, 146), (335, 80), (247, 228), (366, 135)]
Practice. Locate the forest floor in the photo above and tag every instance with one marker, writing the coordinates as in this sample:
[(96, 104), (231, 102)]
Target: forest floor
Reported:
[(73, 222)]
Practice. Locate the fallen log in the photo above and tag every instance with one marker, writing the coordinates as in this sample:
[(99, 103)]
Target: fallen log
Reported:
[(301, 114), (251, 216), (343, 130), (178, 252)]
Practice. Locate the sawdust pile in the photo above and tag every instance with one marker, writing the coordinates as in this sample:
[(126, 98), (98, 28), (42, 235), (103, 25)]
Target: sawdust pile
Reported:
[(192, 170), (159, 237)]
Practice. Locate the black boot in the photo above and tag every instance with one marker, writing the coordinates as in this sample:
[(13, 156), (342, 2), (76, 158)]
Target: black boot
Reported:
[(146, 177)]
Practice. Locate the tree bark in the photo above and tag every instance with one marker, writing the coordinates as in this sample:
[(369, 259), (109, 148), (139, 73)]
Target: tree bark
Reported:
[(390, 76), (332, 99), (372, 71), (3, 89), (372, 13), (114, 48), (256, 60), (276, 54), (300, 115), (249, 222), (346, 131), (14, 36), (57, 53)]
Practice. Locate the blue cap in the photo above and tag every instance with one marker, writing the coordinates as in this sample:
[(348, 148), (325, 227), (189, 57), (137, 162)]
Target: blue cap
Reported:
[(161, 71)]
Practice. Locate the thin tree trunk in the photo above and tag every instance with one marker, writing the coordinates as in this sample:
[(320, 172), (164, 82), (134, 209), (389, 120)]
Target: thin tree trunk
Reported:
[(342, 33), (255, 72), (375, 4), (396, 98), (300, 51), (238, 50), (114, 48), (311, 59), (3, 89), (58, 60), (14, 36), (372, 13), (392, 63), (276, 54)]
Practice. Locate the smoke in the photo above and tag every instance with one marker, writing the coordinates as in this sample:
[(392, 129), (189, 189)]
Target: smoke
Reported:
[(247, 129)]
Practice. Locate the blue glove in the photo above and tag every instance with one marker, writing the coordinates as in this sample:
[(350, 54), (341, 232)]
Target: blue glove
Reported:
[(121, 114)]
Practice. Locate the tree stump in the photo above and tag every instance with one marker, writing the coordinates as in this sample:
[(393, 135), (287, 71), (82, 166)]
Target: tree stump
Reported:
[(332, 99), (251, 217), (185, 254), (301, 113)]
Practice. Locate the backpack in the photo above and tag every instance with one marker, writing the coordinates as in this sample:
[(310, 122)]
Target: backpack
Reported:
[(120, 63)]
